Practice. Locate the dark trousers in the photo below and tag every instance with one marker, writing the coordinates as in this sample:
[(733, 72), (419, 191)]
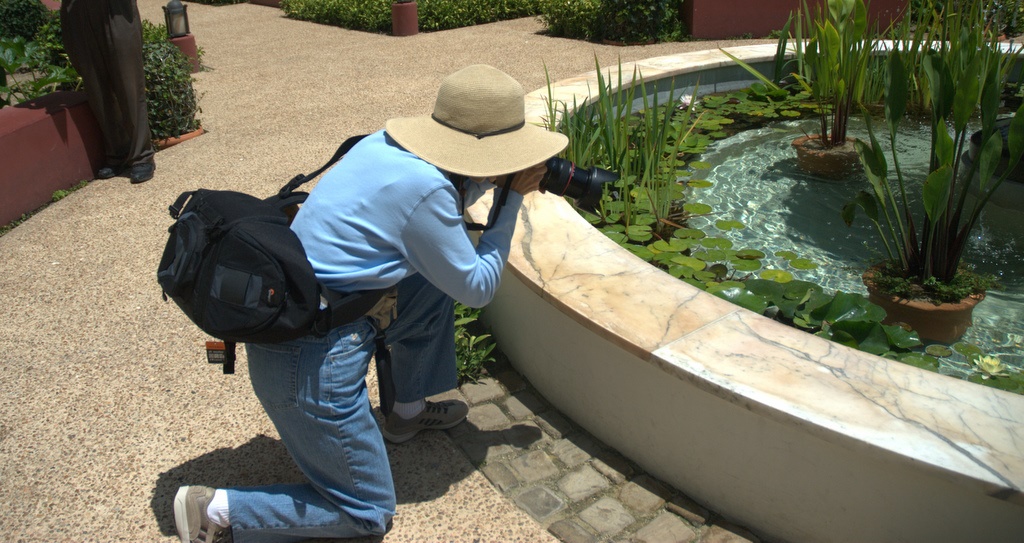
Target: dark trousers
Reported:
[(103, 39)]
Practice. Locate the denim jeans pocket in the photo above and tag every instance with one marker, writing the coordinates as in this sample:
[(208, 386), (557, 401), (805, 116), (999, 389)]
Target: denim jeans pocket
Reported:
[(273, 371)]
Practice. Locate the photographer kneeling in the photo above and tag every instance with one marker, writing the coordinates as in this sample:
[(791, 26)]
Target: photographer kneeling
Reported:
[(388, 215)]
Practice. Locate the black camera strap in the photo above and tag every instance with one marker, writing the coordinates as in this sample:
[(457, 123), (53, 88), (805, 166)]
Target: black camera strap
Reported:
[(460, 181)]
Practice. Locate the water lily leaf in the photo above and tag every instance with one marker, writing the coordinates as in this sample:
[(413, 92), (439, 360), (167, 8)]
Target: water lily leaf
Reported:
[(869, 336), (662, 246), (641, 251), (729, 225), (750, 254), (788, 255), (618, 228), (901, 337), (711, 255), (720, 271), (803, 264), (919, 360), (940, 351), (967, 349), (779, 276), (743, 298), (689, 261), (697, 208), (644, 219), (700, 183), (639, 232), (617, 237), (745, 265)]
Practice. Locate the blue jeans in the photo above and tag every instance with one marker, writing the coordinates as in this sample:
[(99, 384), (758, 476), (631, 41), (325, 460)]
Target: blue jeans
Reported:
[(314, 391)]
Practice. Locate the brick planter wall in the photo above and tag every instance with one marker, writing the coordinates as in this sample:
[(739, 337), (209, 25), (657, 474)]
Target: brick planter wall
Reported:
[(46, 144)]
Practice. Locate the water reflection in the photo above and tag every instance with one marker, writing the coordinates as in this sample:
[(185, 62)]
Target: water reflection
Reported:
[(756, 181)]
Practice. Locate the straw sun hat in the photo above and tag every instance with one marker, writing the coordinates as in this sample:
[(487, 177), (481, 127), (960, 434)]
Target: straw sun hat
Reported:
[(478, 127)]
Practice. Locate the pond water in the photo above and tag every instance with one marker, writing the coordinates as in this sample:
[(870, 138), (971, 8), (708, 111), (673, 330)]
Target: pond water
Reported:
[(757, 182)]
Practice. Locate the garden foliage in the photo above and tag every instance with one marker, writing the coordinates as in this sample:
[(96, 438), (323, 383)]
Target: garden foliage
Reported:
[(171, 98), (375, 15), (626, 21), (21, 18)]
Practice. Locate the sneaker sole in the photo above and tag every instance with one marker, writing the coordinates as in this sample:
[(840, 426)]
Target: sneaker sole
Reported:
[(181, 515), (402, 438)]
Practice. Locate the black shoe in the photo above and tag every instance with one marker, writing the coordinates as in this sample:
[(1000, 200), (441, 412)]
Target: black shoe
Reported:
[(142, 172), (107, 172)]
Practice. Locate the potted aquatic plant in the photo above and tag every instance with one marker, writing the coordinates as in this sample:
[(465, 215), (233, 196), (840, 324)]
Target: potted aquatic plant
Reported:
[(925, 224), (832, 50)]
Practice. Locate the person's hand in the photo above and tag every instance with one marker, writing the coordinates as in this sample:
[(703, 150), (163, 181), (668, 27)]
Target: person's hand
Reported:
[(526, 181)]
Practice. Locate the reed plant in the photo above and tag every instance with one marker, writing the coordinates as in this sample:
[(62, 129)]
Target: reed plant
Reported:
[(636, 134)]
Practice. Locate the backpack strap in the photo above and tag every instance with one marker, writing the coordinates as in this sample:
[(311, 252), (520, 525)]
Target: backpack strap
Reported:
[(299, 180), (341, 308)]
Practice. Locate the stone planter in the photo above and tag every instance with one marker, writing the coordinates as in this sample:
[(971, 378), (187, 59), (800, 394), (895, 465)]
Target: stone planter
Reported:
[(944, 323), (835, 163)]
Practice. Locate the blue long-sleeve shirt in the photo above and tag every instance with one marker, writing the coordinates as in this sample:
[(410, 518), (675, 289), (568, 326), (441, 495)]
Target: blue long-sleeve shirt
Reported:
[(382, 214)]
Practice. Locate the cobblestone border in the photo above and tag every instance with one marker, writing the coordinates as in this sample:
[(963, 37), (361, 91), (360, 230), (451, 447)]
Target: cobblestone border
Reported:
[(580, 490)]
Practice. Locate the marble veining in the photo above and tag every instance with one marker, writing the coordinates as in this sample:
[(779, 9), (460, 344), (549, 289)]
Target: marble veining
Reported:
[(966, 433)]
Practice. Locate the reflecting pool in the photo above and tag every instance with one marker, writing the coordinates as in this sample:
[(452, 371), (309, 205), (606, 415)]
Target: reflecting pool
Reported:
[(757, 182)]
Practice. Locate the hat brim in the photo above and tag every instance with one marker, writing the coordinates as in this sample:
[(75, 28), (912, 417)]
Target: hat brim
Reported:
[(465, 154)]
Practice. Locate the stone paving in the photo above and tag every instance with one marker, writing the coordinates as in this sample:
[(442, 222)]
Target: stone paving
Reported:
[(580, 490)]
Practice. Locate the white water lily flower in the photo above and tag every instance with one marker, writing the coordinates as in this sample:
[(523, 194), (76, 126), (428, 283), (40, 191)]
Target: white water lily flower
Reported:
[(990, 366)]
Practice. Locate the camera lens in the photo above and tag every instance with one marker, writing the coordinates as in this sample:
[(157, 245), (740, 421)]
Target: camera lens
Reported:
[(566, 179)]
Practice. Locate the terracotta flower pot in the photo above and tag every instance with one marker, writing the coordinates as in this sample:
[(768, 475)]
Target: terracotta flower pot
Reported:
[(835, 163), (169, 142), (944, 323)]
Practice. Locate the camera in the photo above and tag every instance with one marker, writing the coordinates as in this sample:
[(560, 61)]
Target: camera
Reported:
[(564, 178)]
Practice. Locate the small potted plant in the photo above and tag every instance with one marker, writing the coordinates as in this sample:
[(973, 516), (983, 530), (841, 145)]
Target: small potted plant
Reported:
[(832, 52), (925, 224)]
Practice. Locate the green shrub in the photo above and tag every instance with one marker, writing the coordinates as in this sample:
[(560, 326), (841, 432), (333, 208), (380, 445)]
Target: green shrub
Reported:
[(633, 21), (369, 15), (50, 39), (170, 96), (627, 21), (576, 19), (375, 15), (21, 18)]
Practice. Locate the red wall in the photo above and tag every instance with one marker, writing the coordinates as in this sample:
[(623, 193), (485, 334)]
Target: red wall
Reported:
[(46, 144), (718, 19)]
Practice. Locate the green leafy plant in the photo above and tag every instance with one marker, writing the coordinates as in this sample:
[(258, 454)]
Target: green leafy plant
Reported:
[(171, 98), (833, 52), (34, 76), (926, 245), (472, 351)]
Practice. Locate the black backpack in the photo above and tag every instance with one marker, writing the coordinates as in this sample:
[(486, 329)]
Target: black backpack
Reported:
[(238, 271)]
